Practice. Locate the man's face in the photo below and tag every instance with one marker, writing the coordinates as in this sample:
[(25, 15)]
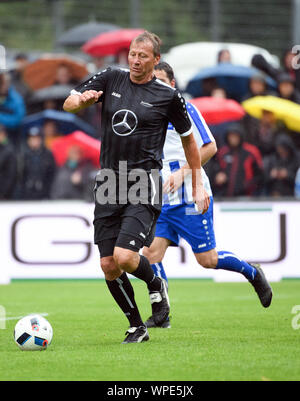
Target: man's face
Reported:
[(35, 142), (162, 75), (3, 85), (2, 136), (141, 61), (257, 86), (234, 139), (286, 89)]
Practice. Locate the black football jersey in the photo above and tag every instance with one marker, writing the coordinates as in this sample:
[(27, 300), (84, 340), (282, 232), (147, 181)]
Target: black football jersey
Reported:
[(135, 118)]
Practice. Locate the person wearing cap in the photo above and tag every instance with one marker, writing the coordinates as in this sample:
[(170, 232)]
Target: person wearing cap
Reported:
[(281, 167), (21, 61), (258, 87), (287, 88), (37, 167), (237, 169)]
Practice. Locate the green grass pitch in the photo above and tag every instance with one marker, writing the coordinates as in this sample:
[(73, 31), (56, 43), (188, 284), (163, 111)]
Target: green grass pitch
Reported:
[(219, 332)]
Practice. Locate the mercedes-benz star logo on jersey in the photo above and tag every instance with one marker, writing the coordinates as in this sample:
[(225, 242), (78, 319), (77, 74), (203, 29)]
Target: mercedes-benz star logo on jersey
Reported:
[(124, 122)]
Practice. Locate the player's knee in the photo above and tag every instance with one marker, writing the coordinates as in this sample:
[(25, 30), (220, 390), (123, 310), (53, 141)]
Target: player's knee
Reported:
[(124, 259), (208, 260), (154, 256), (109, 268)]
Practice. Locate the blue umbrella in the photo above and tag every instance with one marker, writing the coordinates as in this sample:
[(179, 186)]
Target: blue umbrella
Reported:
[(66, 122), (233, 78)]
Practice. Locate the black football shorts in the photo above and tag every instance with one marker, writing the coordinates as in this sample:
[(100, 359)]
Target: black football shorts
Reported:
[(126, 226)]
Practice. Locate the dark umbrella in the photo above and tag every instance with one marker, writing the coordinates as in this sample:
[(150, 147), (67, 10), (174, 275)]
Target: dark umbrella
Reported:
[(66, 122), (233, 78), (55, 92), (80, 34)]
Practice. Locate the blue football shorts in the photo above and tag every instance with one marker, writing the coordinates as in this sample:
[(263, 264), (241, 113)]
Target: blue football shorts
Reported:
[(185, 222)]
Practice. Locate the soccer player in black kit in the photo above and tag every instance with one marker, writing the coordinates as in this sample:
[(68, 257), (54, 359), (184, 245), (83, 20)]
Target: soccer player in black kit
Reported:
[(136, 110)]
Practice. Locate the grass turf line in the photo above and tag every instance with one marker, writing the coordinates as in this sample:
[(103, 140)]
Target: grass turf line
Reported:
[(219, 332)]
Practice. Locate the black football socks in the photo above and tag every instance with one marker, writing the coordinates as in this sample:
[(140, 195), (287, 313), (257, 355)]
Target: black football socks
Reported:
[(145, 272), (122, 291)]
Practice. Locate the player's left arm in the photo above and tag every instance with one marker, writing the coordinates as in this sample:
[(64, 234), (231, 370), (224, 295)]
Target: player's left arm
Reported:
[(207, 148), (193, 158), (175, 180), (178, 116), (203, 136)]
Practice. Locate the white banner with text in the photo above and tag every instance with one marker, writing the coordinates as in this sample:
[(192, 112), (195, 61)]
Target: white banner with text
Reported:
[(55, 240)]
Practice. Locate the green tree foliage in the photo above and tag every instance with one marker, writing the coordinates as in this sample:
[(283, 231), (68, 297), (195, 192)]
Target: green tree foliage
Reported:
[(35, 24)]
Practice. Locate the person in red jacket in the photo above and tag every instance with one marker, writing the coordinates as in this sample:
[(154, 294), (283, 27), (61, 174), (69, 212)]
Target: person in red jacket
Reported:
[(238, 167)]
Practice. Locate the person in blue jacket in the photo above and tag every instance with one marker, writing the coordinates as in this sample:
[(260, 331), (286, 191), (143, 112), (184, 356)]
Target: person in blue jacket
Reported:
[(12, 107)]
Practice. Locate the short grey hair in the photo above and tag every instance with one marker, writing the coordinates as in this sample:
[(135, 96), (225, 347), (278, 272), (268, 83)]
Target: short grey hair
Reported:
[(151, 37)]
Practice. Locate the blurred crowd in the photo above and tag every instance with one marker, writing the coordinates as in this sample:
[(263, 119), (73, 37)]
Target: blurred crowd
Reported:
[(257, 157)]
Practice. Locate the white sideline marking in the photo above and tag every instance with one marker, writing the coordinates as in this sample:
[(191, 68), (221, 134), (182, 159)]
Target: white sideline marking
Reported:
[(20, 317)]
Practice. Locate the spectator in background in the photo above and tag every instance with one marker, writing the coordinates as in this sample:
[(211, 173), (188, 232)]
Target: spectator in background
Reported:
[(99, 63), (121, 58), (287, 63), (237, 169), (12, 107), (281, 168), (224, 56), (75, 180), (64, 76), (16, 76), (50, 133), (208, 86), (262, 133), (8, 166), (218, 92), (297, 184), (37, 168), (258, 87), (287, 89)]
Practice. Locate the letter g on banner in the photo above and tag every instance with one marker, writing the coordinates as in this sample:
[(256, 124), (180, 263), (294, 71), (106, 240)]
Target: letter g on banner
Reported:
[(50, 239)]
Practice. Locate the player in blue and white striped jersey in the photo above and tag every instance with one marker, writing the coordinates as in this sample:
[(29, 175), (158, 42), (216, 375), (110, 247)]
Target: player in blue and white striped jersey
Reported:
[(179, 217)]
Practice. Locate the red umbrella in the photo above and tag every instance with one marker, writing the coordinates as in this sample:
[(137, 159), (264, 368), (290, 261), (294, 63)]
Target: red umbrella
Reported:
[(110, 43), (218, 110), (90, 147)]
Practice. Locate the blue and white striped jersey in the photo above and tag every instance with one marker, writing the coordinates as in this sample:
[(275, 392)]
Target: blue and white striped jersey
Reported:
[(174, 157)]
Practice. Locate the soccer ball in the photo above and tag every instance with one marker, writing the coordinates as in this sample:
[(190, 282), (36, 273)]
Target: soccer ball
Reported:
[(33, 333)]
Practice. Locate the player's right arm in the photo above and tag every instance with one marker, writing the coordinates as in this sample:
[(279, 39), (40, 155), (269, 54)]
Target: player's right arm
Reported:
[(89, 92), (78, 101)]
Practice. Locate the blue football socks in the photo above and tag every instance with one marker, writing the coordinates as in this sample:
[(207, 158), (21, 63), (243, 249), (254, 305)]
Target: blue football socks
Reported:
[(229, 261), (159, 270)]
